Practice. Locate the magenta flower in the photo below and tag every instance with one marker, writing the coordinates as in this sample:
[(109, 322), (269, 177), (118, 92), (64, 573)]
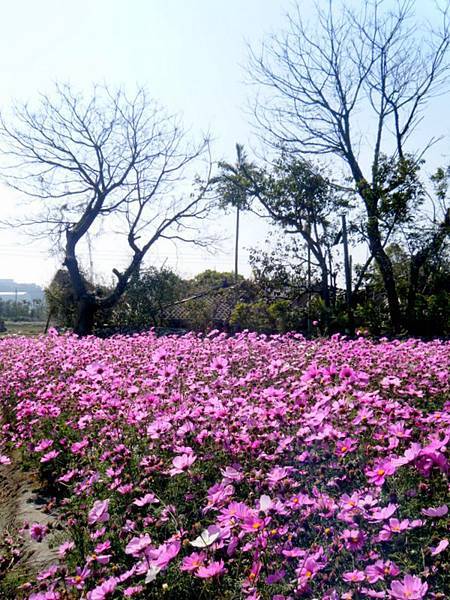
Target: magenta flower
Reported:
[(379, 570), (144, 500), (47, 573), (64, 548), (378, 474), (343, 447), (353, 576), (381, 514), (213, 569), (411, 588), (49, 456), (78, 447), (99, 512), (354, 539), (181, 463), (137, 545), (132, 590), (193, 561), (437, 512), (43, 445), (79, 578), (276, 475), (443, 544), (103, 591), (161, 556), (38, 532)]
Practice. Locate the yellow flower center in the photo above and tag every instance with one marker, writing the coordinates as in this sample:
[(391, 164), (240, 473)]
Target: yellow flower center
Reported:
[(380, 472)]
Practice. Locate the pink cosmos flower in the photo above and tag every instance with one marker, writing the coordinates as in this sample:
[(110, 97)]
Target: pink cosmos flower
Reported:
[(378, 474), (231, 474), (218, 494), (354, 539), (193, 561), (144, 500), (49, 456), (381, 514), (411, 588), (219, 364), (213, 569), (443, 544), (347, 374), (64, 548), (409, 456), (181, 463), (47, 573), (137, 545), (102, 547), (353, 576), (161, 556), (276, 475), (103, 591), (99, 512), (307, 570), (4, 460), (437, 512), (379, 570), (79, 578), (132, 590), (43, 445), (77, 447), (343, 447), (67, 476), (38, 532)]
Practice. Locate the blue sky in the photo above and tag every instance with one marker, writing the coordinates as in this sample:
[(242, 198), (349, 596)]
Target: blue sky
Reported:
[(188, 53)]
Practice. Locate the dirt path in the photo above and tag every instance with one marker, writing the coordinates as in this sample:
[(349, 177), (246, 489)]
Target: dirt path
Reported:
[(21, 501)]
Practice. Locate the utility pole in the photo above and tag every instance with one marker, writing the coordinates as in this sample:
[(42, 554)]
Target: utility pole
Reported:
[(348, 274), (236, 246), (309, 324)]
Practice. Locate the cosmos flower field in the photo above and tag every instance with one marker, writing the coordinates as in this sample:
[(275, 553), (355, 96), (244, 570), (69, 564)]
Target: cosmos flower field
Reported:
[(214, 467)]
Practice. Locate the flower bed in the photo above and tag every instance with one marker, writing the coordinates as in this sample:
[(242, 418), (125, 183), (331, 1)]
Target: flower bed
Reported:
[(242, 467)]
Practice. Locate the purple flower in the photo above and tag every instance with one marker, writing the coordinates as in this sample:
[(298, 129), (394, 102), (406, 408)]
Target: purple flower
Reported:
[(38, 532), (439, 511), (213, 569), (49, 456), (99, 512), (193, 561), (411, 588), (103, 591), (144, 500), (440, 547), (181, 463), (378, 474), (354, 539), (354, 576), (137, 545), (64, 548)]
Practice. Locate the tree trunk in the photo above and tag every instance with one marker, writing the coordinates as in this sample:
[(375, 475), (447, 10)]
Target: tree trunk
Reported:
[(387, 273), (87, 307), (325, 291)]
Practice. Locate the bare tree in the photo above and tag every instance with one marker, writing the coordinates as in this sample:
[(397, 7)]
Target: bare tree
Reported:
[(356, 74), (106, 159)]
